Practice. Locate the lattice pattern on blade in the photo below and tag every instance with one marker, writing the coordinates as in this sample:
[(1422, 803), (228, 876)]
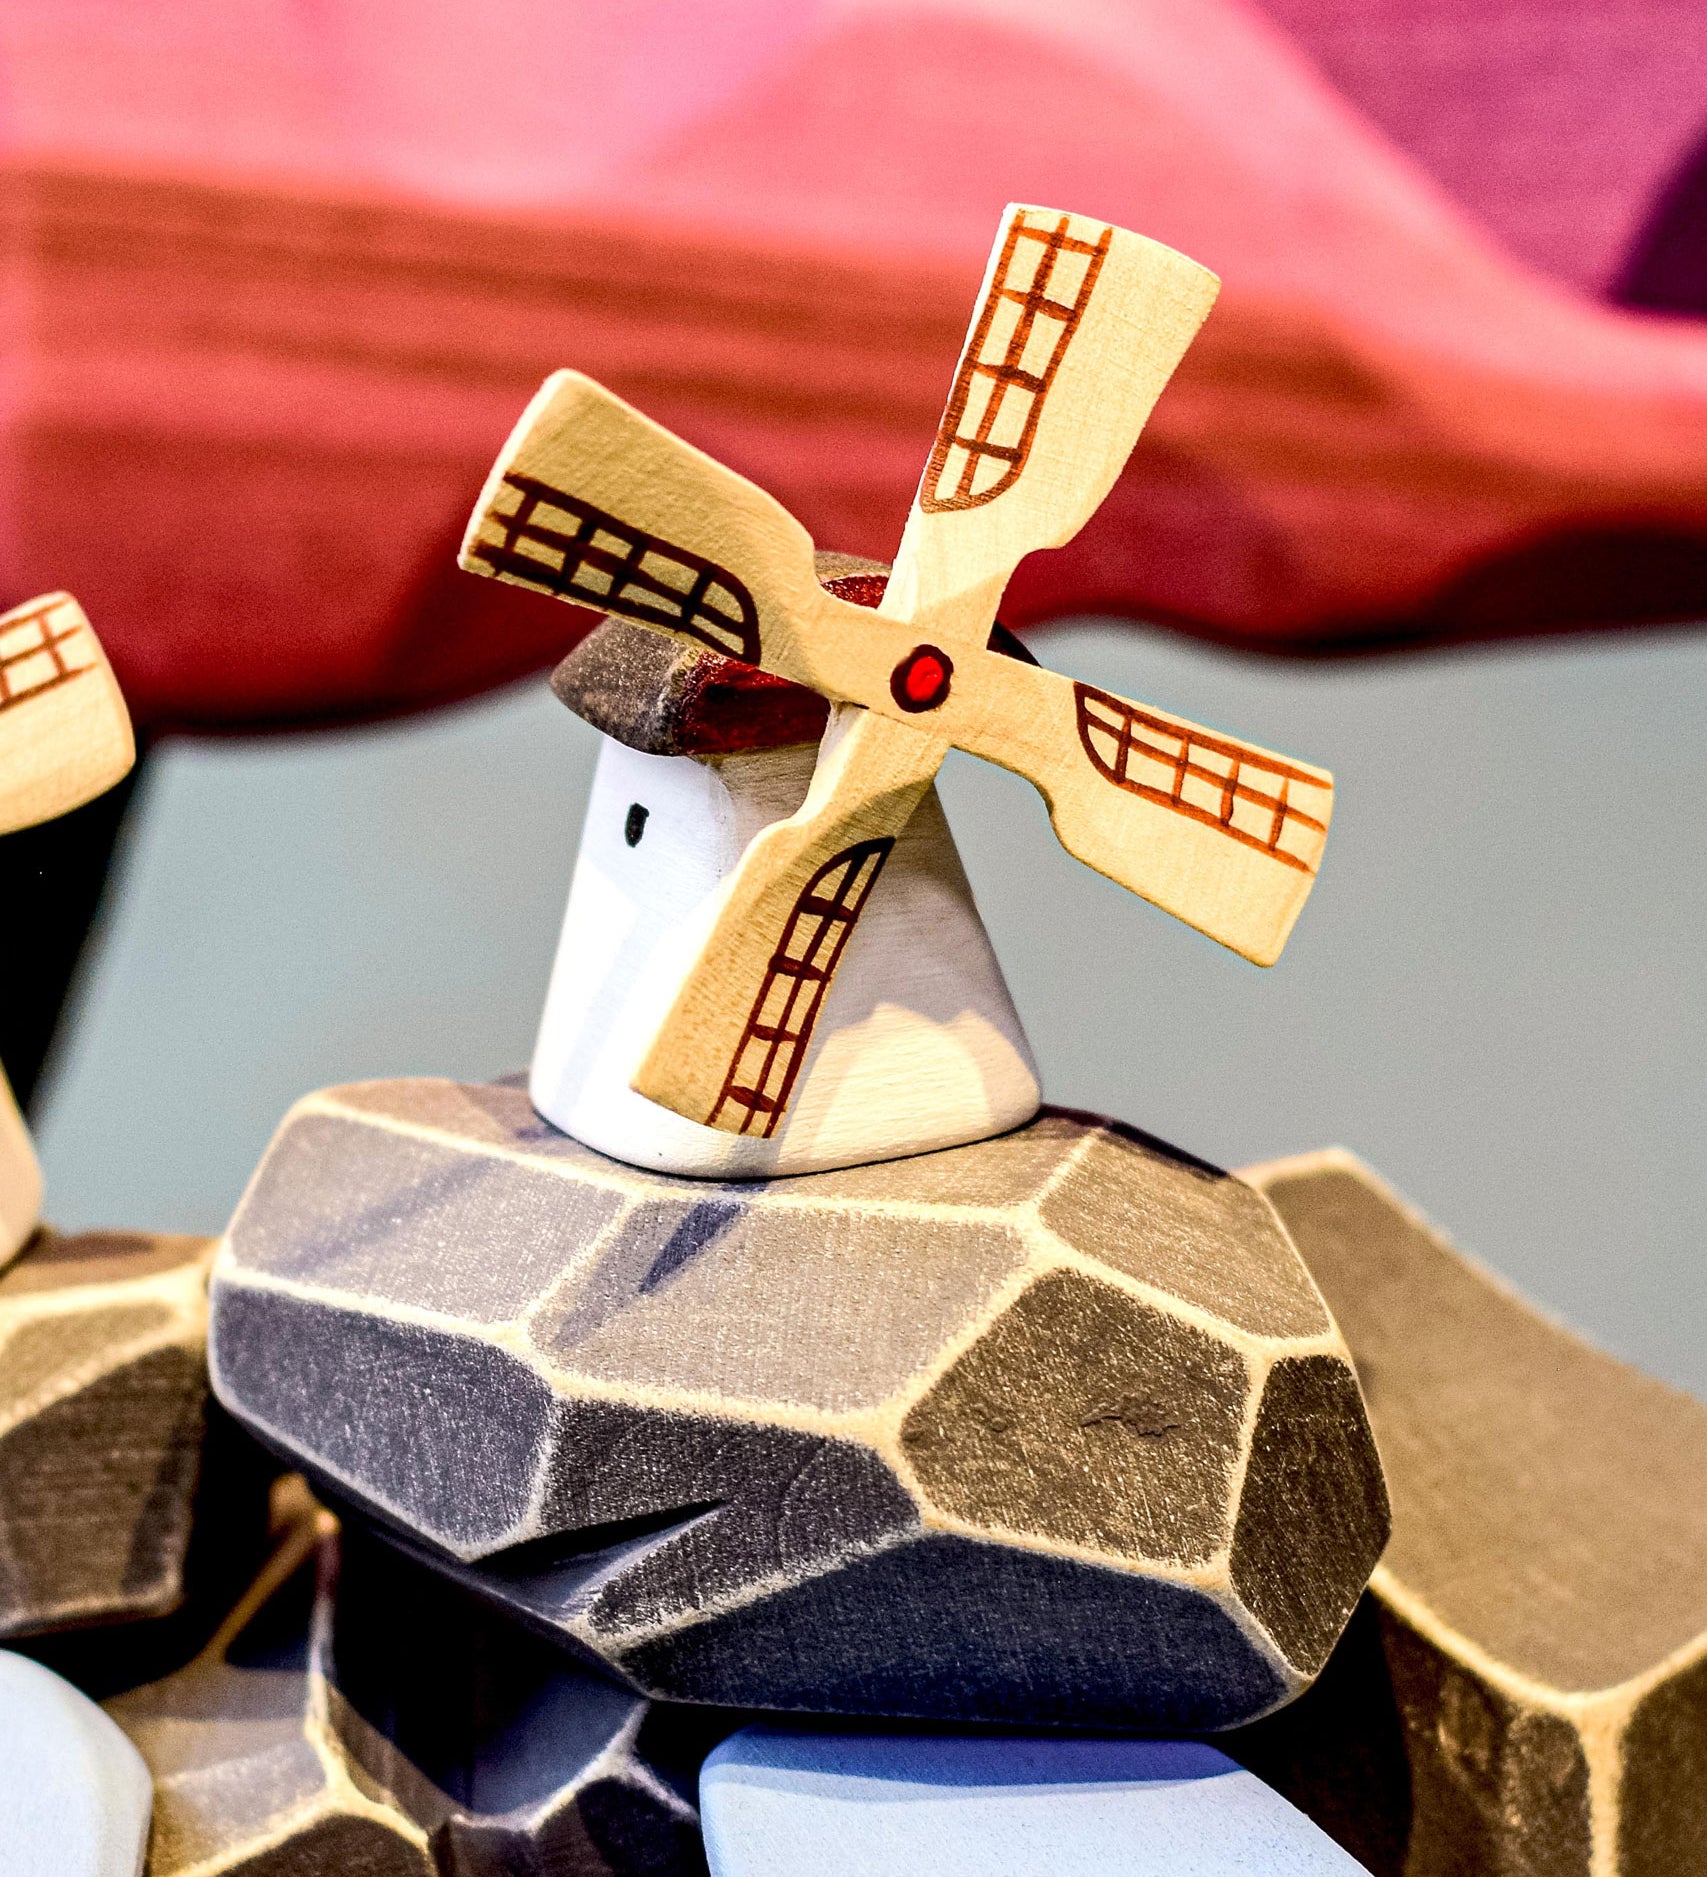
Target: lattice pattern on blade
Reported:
[(772, 1047), (1038, 294), (1245, 793), (47, 646), (555, 542)]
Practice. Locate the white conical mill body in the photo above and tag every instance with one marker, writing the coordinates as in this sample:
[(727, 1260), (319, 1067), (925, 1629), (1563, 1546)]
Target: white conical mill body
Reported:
[(917, 1045)]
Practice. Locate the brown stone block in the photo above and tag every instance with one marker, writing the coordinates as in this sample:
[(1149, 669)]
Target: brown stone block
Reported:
[(103, 1388), (1051, 1428), (356, 1714), (1527, 1693)]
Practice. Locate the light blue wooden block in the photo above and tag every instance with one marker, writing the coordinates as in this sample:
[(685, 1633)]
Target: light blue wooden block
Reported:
[(779, 1803), (74, 1793)]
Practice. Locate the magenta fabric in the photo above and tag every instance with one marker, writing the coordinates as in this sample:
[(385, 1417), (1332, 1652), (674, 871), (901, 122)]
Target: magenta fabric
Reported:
[(280, 276), (1566, 127)]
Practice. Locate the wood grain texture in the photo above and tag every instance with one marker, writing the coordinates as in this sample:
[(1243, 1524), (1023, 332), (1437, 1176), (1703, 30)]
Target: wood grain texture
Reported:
[(985, 1434), (778, 1802), (74, 1794), (1541, 1671), (356, 1713), (65, 734), (1078, 327), (103, 1384)]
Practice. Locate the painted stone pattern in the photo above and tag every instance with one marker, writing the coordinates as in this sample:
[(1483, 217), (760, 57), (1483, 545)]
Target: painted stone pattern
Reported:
[(356, 1713), (1051, 1428), (1526, 1689), (103, 1388)]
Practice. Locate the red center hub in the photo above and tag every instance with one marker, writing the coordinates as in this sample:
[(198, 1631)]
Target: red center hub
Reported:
[(921, 680)]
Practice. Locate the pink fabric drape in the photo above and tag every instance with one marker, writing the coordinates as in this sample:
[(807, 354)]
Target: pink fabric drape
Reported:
[(279, 277)]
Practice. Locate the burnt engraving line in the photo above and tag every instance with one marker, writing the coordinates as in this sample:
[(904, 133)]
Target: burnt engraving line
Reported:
[(1008, 375), (631, 589), (805, 960), (48, 641), (1101, 716)]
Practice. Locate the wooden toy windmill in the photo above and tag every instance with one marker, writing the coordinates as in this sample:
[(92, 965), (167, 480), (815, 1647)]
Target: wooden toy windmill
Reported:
[(1078, 328)]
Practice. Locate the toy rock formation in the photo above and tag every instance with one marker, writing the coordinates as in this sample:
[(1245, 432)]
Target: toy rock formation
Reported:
[(1053, 1427), (309, 1704), (103, 1387), (1528, 1692), (916, 1044), (356, 1713)]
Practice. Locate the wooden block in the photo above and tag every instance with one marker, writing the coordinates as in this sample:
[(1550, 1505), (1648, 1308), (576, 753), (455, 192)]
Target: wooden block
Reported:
[(1528, 1692), (65, 734), (357, 1714), (74, 1793), (1052, 1428), (1078, 327), (778, 1803), (20, 1177), (102, 1389)]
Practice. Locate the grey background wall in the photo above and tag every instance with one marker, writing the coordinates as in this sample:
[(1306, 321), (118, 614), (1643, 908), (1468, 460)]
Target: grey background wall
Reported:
[(1496, 995)]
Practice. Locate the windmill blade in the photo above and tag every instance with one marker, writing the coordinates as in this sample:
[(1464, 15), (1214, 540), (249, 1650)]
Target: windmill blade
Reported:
[(731, 1046), (65, 735), (1224, 835), (1078, 328), (593, 503)]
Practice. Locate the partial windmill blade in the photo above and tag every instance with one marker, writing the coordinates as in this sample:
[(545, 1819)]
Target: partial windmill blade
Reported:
[(593, 503), (65, 734), (1078, 328), (731, 1046), (1224, 835), (65, 737)]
